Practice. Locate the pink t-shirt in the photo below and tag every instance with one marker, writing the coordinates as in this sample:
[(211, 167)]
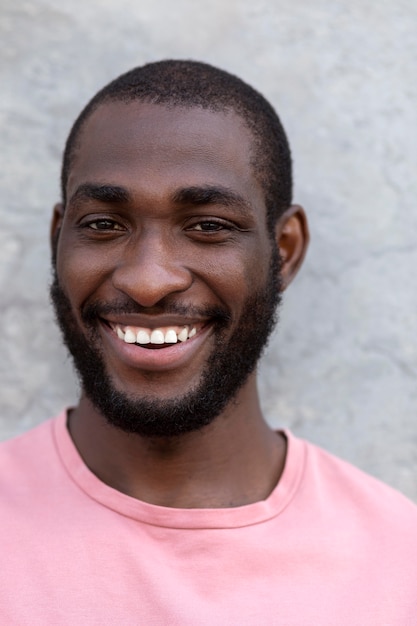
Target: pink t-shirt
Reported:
[(329, 547)]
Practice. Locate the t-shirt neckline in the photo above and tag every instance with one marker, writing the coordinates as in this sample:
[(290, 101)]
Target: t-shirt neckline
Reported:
[(168, 517)]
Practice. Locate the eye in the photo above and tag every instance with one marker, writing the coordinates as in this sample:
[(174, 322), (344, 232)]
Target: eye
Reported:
[(104, 224), (210, 226)]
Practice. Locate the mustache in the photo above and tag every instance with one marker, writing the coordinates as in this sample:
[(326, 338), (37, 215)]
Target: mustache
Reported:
[(94, 310)]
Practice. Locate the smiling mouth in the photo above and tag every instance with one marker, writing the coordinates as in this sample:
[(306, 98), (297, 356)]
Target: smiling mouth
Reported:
[(152, 338)]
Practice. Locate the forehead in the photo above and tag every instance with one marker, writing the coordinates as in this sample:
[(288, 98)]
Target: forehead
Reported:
[(159, 147)]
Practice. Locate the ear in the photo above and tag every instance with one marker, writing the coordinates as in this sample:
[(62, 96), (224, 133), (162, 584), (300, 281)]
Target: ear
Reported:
[(292, 238), (56, 222)]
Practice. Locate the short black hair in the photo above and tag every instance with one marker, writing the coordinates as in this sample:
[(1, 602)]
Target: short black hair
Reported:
[(196, 84)]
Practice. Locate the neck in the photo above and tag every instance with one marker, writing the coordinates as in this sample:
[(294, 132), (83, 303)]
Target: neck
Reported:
[(234, 461)]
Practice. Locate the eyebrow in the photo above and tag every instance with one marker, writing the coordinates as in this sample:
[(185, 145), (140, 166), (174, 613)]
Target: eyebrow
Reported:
[(212, 194), (110, 194), (192, 196)]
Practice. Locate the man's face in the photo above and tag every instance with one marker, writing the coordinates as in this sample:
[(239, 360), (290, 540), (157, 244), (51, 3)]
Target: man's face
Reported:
[(166, 277)]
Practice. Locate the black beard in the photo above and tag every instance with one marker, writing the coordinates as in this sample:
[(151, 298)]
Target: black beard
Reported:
[(225, 372)]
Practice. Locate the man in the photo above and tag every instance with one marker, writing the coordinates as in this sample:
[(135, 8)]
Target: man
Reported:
[(163, 497)]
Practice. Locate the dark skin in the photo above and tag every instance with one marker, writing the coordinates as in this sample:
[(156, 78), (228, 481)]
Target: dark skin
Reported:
[(139, 177)]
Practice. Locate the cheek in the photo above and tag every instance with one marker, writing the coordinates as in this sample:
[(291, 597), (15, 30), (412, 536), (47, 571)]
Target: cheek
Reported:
[(234, 275), (80, 272)]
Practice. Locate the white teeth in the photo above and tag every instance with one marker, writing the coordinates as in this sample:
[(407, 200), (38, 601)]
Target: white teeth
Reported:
[(157, 337), (171, 336), (143, 337), (130, 336), (183, 335)]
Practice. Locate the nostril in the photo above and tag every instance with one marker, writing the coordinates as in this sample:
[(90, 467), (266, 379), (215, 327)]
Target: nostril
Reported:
[(149, 283)]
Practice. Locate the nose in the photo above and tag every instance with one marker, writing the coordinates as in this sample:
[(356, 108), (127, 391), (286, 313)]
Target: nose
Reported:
[(152, 269)]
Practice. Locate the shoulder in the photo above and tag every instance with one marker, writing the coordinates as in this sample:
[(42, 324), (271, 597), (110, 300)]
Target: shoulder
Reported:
[(356, 496), (27, 458), (38, 434)]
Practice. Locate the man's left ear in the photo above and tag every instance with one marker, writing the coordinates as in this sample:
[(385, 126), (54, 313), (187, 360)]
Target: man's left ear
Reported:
[(292, 237)]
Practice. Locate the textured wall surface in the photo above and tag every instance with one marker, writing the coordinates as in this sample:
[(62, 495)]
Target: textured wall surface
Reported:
[(341, 369)]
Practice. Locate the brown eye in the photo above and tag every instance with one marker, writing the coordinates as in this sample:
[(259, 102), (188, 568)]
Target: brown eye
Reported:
[(104, 225), (209, 227)]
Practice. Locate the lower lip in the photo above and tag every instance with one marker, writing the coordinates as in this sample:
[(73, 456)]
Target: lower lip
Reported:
[(171, 357)]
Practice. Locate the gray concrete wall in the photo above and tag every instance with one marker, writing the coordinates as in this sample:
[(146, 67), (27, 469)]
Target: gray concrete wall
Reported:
[(341, 369)]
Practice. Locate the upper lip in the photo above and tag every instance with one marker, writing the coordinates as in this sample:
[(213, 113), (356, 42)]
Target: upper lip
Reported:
[(148, 321)]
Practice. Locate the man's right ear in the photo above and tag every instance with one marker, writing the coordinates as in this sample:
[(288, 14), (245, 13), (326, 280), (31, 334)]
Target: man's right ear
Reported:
[(56, 223)]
